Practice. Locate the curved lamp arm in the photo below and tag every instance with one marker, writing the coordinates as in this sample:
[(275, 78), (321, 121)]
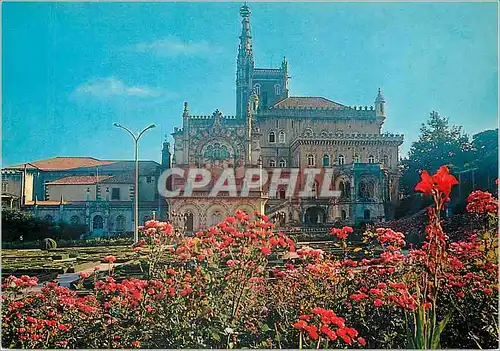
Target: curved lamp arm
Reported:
[(146, 129), (125, 128)]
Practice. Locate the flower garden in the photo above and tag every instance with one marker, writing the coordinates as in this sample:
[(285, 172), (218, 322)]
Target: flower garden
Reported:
[(242, 284)]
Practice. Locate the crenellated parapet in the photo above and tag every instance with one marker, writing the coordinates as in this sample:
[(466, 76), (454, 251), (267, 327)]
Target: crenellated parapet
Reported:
[(338, 138), (210, 117), (341, 112), (264, 72)]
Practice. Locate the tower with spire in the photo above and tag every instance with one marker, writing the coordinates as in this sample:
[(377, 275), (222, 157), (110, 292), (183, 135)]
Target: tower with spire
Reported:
[(245, 64), (270, 84)]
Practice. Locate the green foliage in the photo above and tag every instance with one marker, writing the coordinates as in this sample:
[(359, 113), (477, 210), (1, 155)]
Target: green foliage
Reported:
[(23, 226), (439, 144)]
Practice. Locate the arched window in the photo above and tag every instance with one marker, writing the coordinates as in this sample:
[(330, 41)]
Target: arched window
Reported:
[(277, 89), (282, 192), (256, 87), (387, 162), (272, 137), (345, 189), (366, 189), (49, 218), (282, 163), (310, 160), (326, 160), (357, 158), (216, 218), (366, 215), (75, 220), (343, 215), (189, 222), (120, 223), (282, 137), (98, 222), (371, 159), (341, 159), (272, 163)]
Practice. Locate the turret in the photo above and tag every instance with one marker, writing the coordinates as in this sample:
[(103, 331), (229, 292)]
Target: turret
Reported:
[(165, 155), (185, 135), (380, 104), (284, 68)]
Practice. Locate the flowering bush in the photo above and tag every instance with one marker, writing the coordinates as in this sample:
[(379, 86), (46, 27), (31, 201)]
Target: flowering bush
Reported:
[(222, 288)]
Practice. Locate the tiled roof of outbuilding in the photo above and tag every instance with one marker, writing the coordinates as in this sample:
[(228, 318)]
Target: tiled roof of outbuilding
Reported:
[(63, 163), (79, 180)]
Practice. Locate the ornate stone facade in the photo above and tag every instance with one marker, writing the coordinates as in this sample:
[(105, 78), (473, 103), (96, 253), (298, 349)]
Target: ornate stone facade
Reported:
[(274, 130)]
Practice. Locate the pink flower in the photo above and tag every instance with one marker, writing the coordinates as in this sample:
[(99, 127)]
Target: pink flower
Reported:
[(84, 275)]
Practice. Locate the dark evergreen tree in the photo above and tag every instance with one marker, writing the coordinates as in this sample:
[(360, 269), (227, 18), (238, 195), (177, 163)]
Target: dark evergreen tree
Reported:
[(439, 144)]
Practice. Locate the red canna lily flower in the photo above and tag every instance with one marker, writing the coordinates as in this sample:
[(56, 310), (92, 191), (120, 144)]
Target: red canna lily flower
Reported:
[(426, 184), (442, 181)]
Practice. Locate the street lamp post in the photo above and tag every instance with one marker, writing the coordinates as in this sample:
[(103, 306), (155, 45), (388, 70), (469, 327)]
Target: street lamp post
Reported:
[(136, 182)]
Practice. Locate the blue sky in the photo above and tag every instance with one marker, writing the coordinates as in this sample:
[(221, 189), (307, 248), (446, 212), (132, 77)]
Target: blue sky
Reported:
[(71, 69)]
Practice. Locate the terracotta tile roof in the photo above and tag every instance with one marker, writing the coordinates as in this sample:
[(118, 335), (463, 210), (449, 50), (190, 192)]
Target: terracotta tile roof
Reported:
[(79, 180), (63, 163), (307, 102), (122, 178)]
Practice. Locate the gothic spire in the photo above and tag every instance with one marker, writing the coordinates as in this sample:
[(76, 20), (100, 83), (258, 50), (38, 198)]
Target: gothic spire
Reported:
[(245, 48)]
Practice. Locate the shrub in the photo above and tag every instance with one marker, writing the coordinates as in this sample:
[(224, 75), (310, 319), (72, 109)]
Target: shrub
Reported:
[(48, 244)]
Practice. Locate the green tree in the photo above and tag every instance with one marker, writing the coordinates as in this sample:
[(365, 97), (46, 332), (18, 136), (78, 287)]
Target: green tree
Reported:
[(485, 151), (439, 144)]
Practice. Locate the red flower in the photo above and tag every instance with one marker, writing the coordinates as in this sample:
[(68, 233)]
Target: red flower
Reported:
[(136, 344), (312, 330), (347, 229), (378, 303), (273, 241), (358, 297), (362, 341), (300, 325), (442, 181), (426, 184), (109, 259), (265, 250)]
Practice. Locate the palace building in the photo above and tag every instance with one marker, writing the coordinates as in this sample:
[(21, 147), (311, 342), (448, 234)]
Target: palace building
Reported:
[(274, 129), (83, 190)]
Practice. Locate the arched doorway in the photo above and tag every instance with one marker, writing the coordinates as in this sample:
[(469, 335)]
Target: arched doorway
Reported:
[(343, 215), (315, 216), (120, 223), (98, 224), (366, 215)]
